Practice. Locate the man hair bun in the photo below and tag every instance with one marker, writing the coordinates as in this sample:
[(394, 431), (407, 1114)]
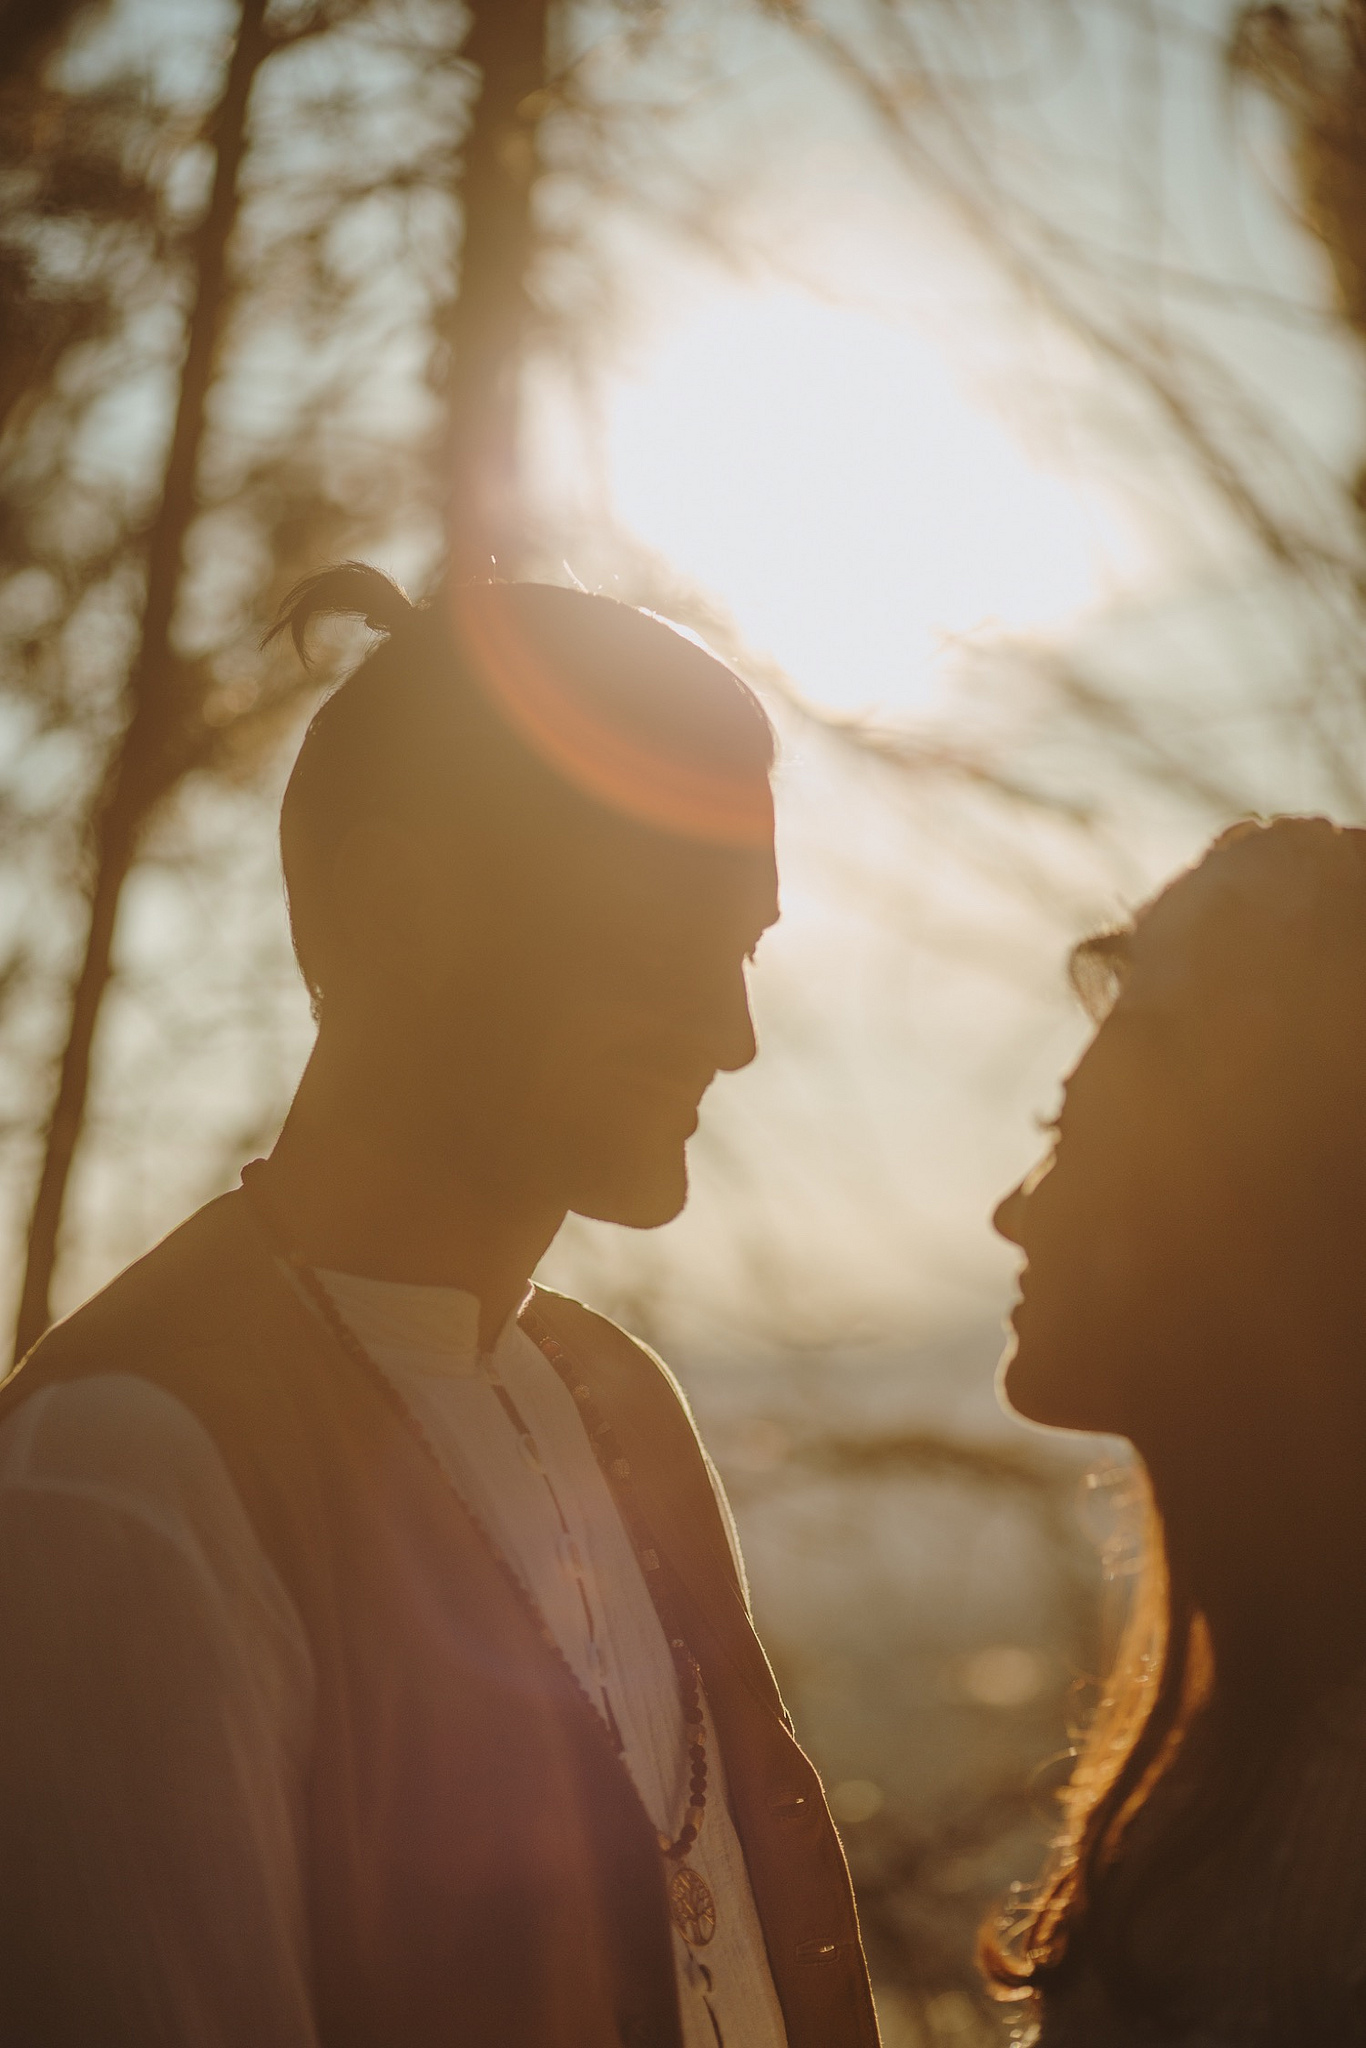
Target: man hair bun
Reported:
[(353, 588)]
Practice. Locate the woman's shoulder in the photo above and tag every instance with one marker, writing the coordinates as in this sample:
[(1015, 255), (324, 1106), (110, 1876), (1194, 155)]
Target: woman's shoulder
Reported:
[(1271, 1921), (1337, 1721), (1318, 1819), (1082, 2014)]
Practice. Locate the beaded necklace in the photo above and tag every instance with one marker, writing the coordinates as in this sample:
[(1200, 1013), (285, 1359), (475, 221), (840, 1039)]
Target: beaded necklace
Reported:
[(691, 1904)]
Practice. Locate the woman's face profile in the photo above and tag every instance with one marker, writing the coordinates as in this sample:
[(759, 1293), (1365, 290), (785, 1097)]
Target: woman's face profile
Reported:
[(1083, 1217)]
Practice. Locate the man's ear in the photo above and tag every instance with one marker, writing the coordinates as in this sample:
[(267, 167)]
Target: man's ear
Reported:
[(391, 890)]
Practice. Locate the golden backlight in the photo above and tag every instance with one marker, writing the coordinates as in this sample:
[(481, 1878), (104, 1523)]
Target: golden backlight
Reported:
[(821, 474)]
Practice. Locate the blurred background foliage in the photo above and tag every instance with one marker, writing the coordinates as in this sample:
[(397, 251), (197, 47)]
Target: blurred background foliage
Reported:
[(985, 379)]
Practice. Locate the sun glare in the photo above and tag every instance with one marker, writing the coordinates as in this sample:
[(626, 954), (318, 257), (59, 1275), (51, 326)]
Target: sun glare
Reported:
[(820, 473)]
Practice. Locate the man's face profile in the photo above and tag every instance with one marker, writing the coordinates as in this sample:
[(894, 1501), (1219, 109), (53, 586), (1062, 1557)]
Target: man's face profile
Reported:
[(529, 950), (562, 1030), (645, 999)]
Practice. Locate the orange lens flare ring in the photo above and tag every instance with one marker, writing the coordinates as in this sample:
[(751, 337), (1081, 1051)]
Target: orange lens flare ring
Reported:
[(625, 774)]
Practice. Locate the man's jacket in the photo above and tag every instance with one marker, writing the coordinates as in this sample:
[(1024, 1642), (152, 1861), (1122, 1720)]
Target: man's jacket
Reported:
[(481, 1873)]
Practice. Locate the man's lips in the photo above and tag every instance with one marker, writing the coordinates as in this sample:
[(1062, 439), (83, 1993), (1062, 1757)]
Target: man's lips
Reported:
[(682, 1103)]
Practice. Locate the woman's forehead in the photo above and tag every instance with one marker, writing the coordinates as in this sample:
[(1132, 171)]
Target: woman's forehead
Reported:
[(1108, 1060)]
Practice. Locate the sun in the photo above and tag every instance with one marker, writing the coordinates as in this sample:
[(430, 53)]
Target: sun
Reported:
[(820, 472)]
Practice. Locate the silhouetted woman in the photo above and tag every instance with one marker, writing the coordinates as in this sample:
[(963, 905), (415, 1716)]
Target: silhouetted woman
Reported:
[(1195, 1280)]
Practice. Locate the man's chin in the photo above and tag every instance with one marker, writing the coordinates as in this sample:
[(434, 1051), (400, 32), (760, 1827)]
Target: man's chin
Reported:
[(641, 1202)]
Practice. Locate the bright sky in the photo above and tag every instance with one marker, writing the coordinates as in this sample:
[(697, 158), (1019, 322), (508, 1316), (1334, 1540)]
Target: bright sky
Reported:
[(828, 476), (820, 472)]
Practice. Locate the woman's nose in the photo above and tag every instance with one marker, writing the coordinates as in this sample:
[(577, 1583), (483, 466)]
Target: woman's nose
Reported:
[(1008, 1214)]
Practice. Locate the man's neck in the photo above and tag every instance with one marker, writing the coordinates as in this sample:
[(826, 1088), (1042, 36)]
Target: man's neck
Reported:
[(363, 1195)]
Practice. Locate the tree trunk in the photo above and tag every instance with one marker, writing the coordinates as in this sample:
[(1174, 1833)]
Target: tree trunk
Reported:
[(492, 316), (142, 768), (485, 338)]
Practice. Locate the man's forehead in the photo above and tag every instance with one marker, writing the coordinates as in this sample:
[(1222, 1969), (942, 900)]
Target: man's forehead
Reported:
[(652, 877)]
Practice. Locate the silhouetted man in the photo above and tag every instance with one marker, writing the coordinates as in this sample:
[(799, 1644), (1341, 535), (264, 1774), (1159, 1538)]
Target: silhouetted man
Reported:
[(377, 1670)]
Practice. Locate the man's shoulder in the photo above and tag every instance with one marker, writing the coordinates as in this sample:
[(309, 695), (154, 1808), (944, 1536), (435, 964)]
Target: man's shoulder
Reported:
[(650, 1413), (190, 1290), (637, 1367)]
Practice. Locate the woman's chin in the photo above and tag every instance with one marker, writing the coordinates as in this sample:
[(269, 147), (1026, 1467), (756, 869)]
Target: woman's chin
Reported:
[(1039, 1390)]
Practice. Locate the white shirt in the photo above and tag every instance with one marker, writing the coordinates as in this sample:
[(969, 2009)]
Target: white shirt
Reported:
[(113, 1499)]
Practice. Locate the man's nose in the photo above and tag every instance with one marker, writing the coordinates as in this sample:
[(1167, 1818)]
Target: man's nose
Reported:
[(735, 1043)]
